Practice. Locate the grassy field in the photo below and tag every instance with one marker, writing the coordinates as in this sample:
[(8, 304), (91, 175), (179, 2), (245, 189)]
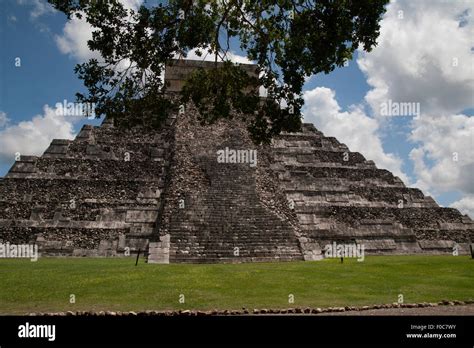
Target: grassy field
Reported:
[(116, 284)]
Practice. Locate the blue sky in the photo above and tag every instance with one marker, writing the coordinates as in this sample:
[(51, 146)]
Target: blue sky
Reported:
[(405, 67)]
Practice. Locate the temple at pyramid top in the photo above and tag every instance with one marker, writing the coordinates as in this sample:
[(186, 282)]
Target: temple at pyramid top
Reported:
[(115, 192), (178, 70)]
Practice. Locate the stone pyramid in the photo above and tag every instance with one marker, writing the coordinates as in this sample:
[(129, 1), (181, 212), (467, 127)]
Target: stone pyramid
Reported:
[(113, 192)]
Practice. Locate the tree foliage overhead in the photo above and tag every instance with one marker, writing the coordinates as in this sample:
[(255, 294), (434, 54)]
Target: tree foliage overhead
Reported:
[(289, 40)]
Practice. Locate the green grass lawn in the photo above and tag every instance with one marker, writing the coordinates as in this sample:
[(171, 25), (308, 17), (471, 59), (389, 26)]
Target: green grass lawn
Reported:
[(116, 284)]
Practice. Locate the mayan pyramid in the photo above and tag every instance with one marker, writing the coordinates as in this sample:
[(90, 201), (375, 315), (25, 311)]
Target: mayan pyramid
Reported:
[(113, 192)]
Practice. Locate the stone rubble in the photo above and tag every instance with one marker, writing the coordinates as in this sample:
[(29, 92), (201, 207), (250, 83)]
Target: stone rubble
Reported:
[(263, 311)]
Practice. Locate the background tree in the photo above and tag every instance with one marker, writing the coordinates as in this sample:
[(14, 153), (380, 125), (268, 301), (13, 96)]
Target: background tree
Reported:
[(289, 40)]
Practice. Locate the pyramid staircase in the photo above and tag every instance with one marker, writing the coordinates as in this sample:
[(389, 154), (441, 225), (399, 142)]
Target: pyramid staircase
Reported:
[(226, 221)]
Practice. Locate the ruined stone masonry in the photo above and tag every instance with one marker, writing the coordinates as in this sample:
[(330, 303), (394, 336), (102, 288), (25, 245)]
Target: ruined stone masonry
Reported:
[(112, 192)]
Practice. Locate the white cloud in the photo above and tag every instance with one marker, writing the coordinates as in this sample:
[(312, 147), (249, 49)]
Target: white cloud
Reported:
[(76, 33), (465, 205), (427, 56), (447, 142), (40, 7), (132, 4), (3, 119), (34, 136), (73, 41), (354, 128), (423, 57)]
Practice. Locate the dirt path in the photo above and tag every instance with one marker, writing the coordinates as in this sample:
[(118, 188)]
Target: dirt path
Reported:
[(439, 310)]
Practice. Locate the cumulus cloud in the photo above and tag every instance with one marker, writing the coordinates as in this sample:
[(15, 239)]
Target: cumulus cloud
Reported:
[(465, 205), (447, 141), (353, 127), (76, 33), (73, 41), (34, 136), (425, 55)]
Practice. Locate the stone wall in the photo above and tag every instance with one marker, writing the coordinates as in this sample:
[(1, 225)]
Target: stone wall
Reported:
[(341, 197), (178, 70), (98, 195)]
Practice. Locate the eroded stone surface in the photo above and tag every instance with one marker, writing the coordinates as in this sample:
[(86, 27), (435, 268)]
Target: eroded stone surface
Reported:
[(98, 195), (339, 196)]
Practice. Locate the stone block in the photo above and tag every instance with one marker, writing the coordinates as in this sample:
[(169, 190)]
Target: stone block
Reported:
[(436, 244), (121, 241), (377, 244), (137, 243), (138, 216)]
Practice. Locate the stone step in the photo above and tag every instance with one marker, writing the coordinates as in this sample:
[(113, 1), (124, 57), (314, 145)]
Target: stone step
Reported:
[(79, 189), (353, 174), (318, 156), (71, 168), (407, 216), (273, 244), (209, 260), (219, 239), (385, 196)]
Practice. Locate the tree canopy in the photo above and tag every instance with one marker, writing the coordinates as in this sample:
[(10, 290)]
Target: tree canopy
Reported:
[(289, 40)]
